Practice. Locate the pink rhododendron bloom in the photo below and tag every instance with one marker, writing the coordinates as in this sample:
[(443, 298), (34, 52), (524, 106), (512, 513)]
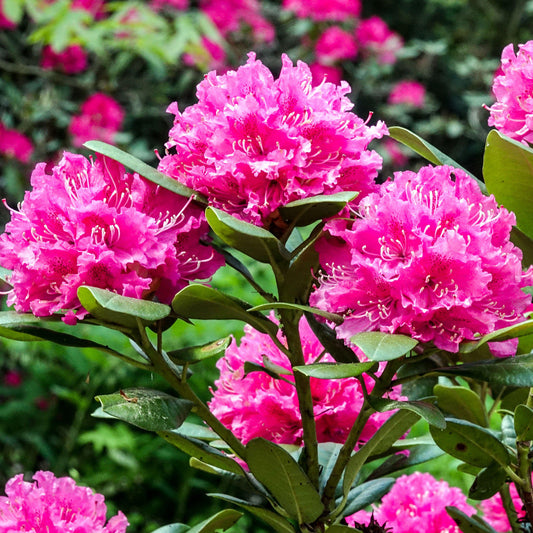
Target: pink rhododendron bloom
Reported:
[(90, 223), (416, 503), (408, 92), (55, 505), (15, 144), (254, 143), (12, 378), (328, 73), (71, 60), (395, 153), (95, 7), (512, 114), (100, 119), (377, 40), (334, 10), (429, 256), (335, 44), (257, 405)]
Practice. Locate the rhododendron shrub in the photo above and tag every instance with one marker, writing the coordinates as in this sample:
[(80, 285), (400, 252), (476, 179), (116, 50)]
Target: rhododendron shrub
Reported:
[(90, 223), (71, 60), (253, 143), (55, 505), (428, 256)]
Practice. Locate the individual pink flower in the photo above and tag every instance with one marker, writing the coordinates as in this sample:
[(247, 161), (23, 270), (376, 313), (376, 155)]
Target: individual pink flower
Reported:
[(327, 73), (15, 144), (377, 40), (12, 378), (319, 10), (90, 223), (408, 92), (512, 114), (55, 505), (416, 502), (100, 119), (71, 60), (428, 256), (95, 7), (335, 44), (254, 143), (257, 405)]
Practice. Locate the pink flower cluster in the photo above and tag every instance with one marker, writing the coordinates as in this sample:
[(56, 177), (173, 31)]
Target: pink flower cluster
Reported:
[(254, 143), (408, 92), (512, 114), (258, 405), (100, 119), (55, 505), (416, 502), (335, 44), (429, 256), (90, 223), (320, 10), (71, 60), (15, 145), (377, 40)]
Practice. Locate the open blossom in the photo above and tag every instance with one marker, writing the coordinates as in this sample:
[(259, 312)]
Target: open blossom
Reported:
[(377, 40), (15, 144), (71, 60), (100, 119), (257, 405), (90, 223), (55, 505), (408, 92), (430, 257), (416, 502), (322, 73), (254, 143), (512, 114), (335, 44), (318, 10)]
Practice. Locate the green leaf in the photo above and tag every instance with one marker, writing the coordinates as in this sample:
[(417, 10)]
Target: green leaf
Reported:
[(110, 307), (335, 370), (5, 274), (470, 443), (13, 10), (202, 451), (378, 346), (143, 169), (337, 319), (469, 524), (366, 493), (508, 372), (199, 301), (285, 480), (13, 326), (221, 521), (328, 452), (461, 402), (339, 528), (197, 431), (195, 354), (425, 410), (308, 210), (523, 422), (488, 482), (255, 242), (508, 173), (147, 409), (525, 243), (510, 332), (173, 528)]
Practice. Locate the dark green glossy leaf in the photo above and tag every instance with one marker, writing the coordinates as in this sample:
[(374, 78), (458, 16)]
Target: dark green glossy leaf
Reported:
[(525, 243), (510, 332), (199, 301), (148, 409), (173, 528), (508, 173), (339, 528), (378, 346), (470, 443), (523, 422), (308, 210), (337, 319), (335, 370), (15, 326), (195, 354), (469, 524), (285, 480), (143, 169), (197, 431), (461, 402), (425, 410), (256, 242), (221, 521), (488, 482), (365, 494), (328, 452)]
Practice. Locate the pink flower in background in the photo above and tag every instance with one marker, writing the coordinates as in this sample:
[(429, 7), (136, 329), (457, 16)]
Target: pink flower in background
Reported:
[(5, 23), (429, 257), (512, 114), (408, 92), (90, 223), (55, 505), (12, 378), (416, 502), (15, 145), (377, 40), (254, 143), (395, 153), (100, 119), (95, 7), (327, 73), (71, 60), (318, 10), (335, 44), (257, 405), (180, 5)]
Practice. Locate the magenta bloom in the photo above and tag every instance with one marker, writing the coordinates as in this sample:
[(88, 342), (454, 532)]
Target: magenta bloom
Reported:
[(416, 502), (429, 257), (15, 145), (512, 114), (254, 143), (335, 44), (257, 405), (100, 119), (334, 10), (328, 73), (71, 60), (55, 505), (408, 92), (377, 40), (90, 223)]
